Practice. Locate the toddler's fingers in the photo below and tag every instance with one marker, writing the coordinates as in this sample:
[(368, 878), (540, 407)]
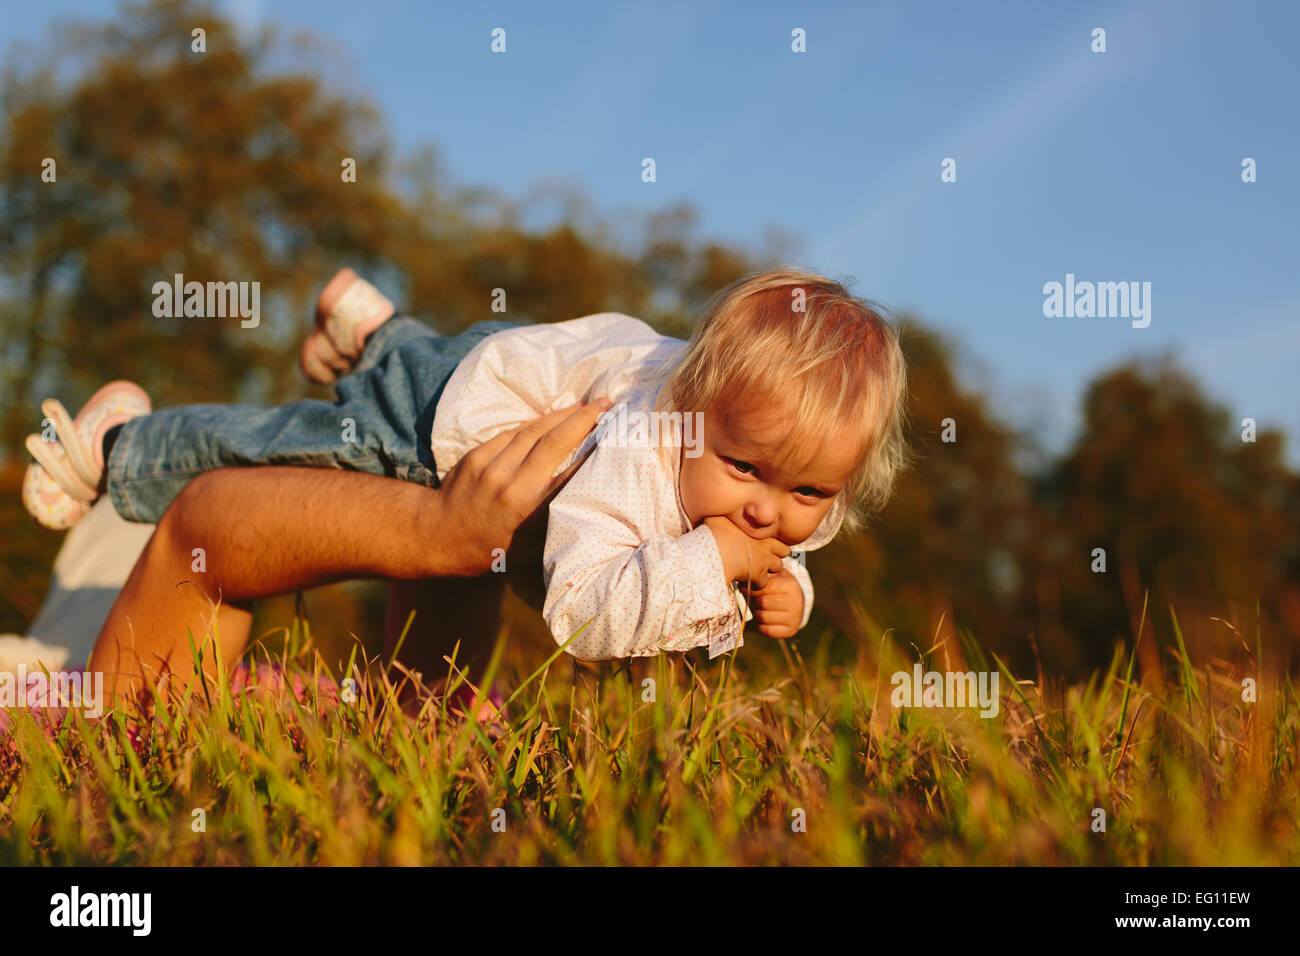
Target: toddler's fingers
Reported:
[(778, 547)]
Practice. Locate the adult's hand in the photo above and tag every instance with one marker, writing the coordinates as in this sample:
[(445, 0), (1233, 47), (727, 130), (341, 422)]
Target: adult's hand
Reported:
[(502, 484)]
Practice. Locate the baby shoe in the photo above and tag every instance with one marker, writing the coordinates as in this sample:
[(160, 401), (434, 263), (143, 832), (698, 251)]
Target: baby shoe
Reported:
[(63, 483), (348, 310)]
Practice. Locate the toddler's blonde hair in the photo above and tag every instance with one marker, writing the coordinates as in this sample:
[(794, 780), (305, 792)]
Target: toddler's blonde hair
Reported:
[(836, 363)]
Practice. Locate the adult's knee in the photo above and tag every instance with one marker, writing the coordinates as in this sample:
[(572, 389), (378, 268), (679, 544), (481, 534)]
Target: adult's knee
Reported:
[(190, 537), (179, 518)]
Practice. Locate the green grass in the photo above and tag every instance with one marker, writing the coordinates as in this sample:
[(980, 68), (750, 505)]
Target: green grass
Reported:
[(714, 771)]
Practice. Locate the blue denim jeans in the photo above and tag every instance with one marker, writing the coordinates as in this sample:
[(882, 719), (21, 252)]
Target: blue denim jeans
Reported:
[(390, 397)]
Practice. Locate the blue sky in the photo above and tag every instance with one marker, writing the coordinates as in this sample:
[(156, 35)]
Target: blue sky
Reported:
[(1122, 166)]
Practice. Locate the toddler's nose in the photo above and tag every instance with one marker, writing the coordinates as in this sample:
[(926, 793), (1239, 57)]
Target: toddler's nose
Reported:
[(761, 516)]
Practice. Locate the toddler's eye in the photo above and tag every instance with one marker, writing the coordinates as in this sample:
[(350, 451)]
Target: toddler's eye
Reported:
[(740, 466), (811, 492)]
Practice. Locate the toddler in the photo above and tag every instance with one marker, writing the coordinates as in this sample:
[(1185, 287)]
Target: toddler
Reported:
[(778, 423)]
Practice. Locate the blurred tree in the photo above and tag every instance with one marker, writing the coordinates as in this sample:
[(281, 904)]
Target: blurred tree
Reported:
[(166, 160), (171, 161), (1160, 478)]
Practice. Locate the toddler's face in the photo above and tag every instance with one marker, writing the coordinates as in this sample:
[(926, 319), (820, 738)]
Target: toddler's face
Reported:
[(749, 472)]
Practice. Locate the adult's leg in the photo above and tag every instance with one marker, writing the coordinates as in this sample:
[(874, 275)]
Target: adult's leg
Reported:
[(265, 531), (232, 537)]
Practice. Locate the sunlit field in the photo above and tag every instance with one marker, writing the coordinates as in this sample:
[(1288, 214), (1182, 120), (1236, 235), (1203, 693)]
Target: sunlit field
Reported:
[(776, 759)]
